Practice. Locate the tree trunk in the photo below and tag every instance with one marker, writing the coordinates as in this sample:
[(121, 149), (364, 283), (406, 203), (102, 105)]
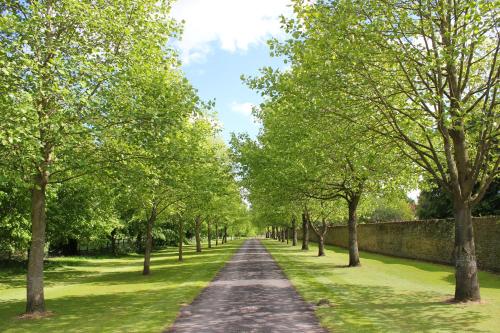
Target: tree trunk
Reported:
[(305, 232), (148, 248), (224, 237), (197, 227), (113, 242), (138, 242), (353, 232), (321, 245), (273, 233), (466, 280), (209, 235), (320, 234), (286, 234), (282, 234), (35, 301), (294, 232), (216, 234), (181, 237)]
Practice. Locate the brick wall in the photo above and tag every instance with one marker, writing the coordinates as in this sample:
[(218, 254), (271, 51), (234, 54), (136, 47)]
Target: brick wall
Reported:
[(430, 240)]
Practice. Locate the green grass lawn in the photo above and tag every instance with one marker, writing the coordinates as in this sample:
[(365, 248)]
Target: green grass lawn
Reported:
[(386, 294), (111, 295)]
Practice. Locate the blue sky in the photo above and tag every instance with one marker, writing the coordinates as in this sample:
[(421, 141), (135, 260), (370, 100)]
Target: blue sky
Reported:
[(222, 40), (219, 77), (226, 38)]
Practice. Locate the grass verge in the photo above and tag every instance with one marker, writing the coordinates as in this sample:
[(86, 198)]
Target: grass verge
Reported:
[(386, 294), (110, 294)]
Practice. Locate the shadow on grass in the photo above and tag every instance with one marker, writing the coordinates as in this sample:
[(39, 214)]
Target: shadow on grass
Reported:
[(140, 311), (70, 270), (108, 301), (361, 307), (487, 279)]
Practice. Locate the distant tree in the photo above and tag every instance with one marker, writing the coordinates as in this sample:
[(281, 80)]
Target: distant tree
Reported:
[(390, 209), (434, 203)]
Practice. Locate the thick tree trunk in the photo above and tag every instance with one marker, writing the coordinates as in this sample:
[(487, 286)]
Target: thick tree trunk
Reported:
[(35, 301), (197, 227), (224, 237), (286, 234), (294, 232), (282, 234), (273, 232), (181, 237), (216, 234), (466, 280), (148, 248), (321, 246), (353, 232), (209, 235), (305, 232)]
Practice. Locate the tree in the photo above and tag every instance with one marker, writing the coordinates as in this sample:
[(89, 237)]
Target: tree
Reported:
[(428, 73), (77, 211), (57, 58), (433, 203), (322, 156)]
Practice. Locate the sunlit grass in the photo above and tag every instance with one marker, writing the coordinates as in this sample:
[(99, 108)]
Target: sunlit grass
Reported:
[(386, 294), (111, 295)]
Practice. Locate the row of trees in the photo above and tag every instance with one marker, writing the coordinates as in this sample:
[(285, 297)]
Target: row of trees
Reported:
[(378, 96), (100, 125)]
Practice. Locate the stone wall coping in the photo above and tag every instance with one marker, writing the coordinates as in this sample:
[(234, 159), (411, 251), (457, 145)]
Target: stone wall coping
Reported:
[(492, 218)]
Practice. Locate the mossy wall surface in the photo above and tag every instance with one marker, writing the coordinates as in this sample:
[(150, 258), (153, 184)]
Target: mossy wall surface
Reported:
[(430, 240)]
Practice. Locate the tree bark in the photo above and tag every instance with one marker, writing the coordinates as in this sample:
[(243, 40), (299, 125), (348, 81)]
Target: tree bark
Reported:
[(353, 232), (286, 234), (181, 237), (216, 234), (305, 232), (466, 280), (294, 231), (197, 227), (35, 300), (224, 237), (321, 245), (282, 234), (209, 235), (273, 232), (320, 233), (148, 248)]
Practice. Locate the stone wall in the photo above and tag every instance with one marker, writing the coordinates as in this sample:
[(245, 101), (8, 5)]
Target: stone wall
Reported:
[(430, 240)]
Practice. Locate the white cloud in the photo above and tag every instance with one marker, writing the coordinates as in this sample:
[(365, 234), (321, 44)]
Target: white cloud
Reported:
[(233, 24), (242, 108)]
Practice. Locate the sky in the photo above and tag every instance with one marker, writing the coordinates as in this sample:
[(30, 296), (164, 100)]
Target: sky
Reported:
[(222, 40)]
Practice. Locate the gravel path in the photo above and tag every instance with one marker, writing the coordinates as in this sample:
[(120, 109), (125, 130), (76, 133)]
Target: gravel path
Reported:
[(250, 294)]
